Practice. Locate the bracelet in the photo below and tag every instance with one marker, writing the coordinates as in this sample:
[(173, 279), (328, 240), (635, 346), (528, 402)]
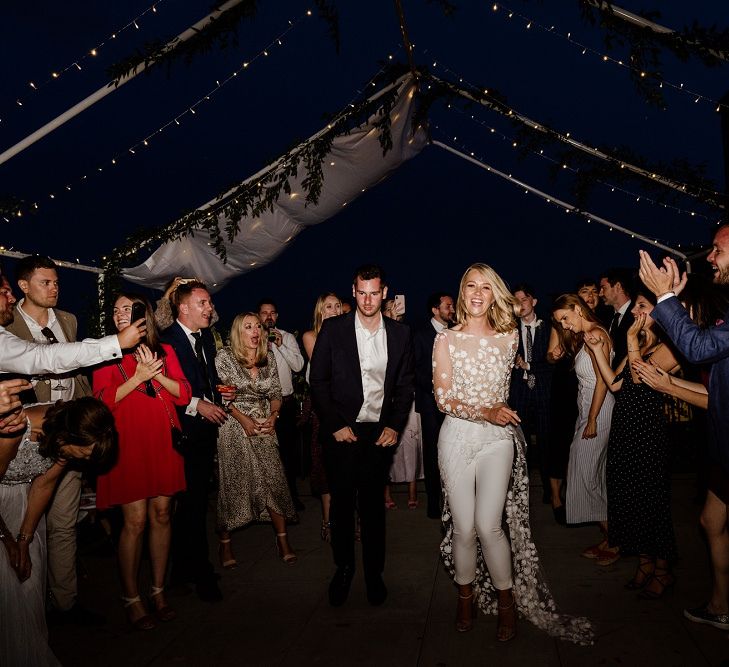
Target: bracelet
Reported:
[(22, 537), (631, 349)]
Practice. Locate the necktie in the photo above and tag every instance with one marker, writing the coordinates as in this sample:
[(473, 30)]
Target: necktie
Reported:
[(50, 336), (531, 379), (614, 324), (203, 366)]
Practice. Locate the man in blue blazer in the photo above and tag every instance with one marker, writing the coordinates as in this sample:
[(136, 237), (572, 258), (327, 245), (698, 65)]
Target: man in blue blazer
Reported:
[(194, 345), (704, 346), (362, 383)]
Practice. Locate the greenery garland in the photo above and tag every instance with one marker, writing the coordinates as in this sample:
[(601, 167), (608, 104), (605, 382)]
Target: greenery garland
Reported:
[(710, 45)]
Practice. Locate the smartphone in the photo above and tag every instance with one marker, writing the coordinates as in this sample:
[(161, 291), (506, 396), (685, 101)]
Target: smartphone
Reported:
[(399, 304), (139, 312)]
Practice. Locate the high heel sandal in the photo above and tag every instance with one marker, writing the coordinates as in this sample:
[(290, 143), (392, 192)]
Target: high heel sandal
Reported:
[(465, 624), (165, 613), (144, 622), (229, 564), (509, 632), (289, 558), (412, 504), (326, 531), (634, 584), (665, 579)]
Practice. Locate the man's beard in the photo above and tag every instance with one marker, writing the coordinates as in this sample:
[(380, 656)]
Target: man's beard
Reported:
[(721, 277), (6, 317)]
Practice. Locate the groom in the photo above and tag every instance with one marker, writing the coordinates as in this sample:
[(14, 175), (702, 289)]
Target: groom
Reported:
[(362, 383)]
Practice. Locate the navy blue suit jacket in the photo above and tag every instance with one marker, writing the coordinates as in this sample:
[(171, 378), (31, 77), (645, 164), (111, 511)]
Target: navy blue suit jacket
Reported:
[(701, 346), (336, 376), (519, 393), (177, 338)]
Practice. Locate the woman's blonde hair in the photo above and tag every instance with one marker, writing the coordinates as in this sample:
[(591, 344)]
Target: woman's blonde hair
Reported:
[(319, 310), (503, 311), (236, 342)]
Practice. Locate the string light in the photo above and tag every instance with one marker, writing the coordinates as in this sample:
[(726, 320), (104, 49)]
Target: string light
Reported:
[(567, 36), (612, 187), (549, 199), (696, 191), (192, 109), (93, 51)]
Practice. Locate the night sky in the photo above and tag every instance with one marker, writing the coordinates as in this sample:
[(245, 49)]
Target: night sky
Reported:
[(427, 222)]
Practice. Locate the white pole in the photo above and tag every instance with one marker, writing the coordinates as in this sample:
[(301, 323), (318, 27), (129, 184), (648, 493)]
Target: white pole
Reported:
[(67, 265), (111, 86)]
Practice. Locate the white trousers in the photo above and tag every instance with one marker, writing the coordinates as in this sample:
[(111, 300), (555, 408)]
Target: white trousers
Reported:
[(476, 495)]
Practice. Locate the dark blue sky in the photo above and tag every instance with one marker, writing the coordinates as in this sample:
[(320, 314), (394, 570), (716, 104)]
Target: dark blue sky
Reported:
[(425, 224)]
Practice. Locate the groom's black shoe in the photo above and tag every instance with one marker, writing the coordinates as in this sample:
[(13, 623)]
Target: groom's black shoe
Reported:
[(339, 585), (376, 589)]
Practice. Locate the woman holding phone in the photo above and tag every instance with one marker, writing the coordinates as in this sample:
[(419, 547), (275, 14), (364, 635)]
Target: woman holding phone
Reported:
[(252, 484), (142, 391)]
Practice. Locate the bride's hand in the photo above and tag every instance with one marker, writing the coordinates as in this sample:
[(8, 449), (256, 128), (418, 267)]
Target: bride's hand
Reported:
[(501, 415)]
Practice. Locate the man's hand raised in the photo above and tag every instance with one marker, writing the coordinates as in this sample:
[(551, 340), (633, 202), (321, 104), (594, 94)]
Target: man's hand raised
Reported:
[(132, 334)]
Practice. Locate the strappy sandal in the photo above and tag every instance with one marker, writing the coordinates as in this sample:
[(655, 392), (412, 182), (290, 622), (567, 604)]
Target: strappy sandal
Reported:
[(594, 550), (412, 504), (465, 624), (144, 622), (634, 584), (666, 581), (165, 613), (230, 563), (289, 558), (509, 632), (608, 556), (390, 505)]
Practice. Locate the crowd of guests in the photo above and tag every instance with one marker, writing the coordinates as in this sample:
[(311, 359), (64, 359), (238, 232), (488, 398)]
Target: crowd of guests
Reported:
[(468, 402)]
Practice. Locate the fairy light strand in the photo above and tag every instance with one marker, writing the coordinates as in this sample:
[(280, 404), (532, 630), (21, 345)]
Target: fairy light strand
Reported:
[(93, 52), (637, 197), (188, 113), (471, 156), (566, 138), (529, 23)]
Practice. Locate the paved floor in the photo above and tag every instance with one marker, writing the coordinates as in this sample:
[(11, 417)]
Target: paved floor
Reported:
[(274, 614)]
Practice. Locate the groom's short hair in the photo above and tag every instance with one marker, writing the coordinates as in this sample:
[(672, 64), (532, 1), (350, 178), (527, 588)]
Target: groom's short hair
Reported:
[(369, 272)]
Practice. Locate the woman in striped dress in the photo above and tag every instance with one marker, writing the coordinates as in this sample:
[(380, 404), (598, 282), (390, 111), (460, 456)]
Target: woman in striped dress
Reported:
[(586, 491)]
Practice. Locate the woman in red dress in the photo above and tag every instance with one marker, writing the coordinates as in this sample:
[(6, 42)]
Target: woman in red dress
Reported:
[(142, 391)]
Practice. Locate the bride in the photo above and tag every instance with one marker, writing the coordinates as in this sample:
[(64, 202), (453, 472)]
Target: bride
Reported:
[(81, 429), (481, 454)]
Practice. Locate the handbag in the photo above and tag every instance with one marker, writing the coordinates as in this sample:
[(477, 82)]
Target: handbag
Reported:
[(178, 437)]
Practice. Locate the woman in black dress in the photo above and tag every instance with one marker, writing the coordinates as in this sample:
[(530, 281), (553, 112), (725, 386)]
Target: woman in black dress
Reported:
[(638, 470)]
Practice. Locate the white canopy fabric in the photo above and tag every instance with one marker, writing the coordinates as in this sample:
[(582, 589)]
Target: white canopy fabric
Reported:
[(354, 164)]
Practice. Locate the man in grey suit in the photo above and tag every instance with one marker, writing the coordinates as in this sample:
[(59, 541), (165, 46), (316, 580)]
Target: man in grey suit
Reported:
[(37, 319), (704, 346)]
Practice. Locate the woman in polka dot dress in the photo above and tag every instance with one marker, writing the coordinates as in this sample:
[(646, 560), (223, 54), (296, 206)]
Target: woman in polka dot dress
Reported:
[(639, 456)]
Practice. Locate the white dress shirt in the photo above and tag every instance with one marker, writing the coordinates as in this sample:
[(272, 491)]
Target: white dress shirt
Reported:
[(66, 384), (372, 351), (622, 310), (289, 359), (21, 356), (437, 325)]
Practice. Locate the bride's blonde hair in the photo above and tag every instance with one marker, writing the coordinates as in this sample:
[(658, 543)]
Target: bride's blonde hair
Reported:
[(502, 313)]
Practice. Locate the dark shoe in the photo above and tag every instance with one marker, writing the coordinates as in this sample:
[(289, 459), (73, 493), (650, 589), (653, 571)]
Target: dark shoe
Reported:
[(506, 622), (560, 515), (144, 622), (641, 577), (703, 615), (208, 590), (657, 585), (339, 585), (376, 590), (76, 615)]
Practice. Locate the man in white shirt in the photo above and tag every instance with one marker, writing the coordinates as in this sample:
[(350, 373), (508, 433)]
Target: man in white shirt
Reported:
[(615, 286), (362, 383), (289, 360), (37, 319)]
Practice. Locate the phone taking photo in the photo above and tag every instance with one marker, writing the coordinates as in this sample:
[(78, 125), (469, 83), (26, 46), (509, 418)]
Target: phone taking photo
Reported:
[(399, 304), (139, 312)]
